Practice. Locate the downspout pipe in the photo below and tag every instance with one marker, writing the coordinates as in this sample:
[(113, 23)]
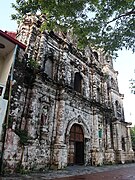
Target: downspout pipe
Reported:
[(8, 110), (10, 85)]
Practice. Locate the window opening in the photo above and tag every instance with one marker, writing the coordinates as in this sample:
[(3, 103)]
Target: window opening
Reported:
[(123, 143), (95, 55), (78, 82)]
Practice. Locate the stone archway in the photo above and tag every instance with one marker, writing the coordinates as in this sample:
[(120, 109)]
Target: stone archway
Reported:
[(76, 145)]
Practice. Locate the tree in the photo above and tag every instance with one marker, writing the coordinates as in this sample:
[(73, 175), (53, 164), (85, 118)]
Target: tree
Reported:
[(133, 137), (132, 85), (100, 23)]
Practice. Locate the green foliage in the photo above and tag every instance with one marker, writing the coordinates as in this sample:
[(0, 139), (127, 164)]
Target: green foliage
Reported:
[(133, 136), (20, 169), (10, 121), (108, 24), (32, 64), (132, 85), (105, 77), (23, 134)]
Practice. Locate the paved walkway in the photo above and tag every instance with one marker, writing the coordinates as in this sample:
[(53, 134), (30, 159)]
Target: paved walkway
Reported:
[(127, 173), (76, 171)]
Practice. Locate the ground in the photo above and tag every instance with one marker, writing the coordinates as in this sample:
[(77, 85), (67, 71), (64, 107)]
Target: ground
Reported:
[(121, 172)]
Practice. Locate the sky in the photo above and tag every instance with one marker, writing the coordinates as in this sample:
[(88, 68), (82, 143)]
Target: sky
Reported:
[(5, 13), (124, 64)]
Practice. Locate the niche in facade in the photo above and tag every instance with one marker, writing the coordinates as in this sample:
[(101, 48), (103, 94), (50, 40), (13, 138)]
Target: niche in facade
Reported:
[(95, 55), (98, 94), (78, 82), (118, 108), (113, 84), (44, 115), (48, 65), (123, 143)]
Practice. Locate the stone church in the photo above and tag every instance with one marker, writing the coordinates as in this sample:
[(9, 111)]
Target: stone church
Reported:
[(65, 106)]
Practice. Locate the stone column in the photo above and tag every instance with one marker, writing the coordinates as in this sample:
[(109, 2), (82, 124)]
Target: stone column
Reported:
[(95, 130), (130, 153), (129, 138), (108, 136), (60, 150), (118, 132), (119, 156), (33, 107), (109, 152), (60, 121), (86, 88), (117, 136), (114, 135), (105, 93), (96, 154)]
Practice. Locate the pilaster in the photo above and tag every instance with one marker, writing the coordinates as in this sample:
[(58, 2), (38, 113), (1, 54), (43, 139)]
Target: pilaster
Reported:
[(59, 159)]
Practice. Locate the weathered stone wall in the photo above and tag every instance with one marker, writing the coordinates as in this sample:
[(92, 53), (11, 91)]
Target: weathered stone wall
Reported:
[(56, 87)]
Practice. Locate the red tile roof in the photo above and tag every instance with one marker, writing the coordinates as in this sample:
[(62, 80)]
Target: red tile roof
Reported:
[(11, 33), (12, 38)]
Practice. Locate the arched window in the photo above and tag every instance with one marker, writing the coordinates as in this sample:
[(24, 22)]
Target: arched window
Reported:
[(78, 82)]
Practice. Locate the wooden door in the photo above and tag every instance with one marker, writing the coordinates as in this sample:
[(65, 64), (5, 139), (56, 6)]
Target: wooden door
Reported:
[(76, 145)]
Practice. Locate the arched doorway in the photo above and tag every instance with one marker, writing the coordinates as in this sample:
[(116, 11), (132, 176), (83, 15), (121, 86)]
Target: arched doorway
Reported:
[(76, 145)]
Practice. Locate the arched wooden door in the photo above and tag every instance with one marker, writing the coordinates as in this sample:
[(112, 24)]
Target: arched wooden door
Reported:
[(76, 145)]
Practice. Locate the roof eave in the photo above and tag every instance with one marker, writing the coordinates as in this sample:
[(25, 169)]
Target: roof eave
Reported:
[(11, 39)]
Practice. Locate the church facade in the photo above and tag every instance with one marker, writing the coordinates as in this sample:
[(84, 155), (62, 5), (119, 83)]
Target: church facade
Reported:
[(65, 106)]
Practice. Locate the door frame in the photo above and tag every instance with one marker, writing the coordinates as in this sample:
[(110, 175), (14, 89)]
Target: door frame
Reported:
[(76, 135)]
